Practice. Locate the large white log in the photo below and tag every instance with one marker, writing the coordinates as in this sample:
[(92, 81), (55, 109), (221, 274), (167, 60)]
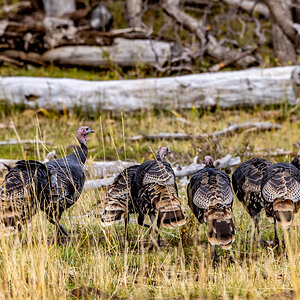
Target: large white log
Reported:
[(123, 52), (225, 89)]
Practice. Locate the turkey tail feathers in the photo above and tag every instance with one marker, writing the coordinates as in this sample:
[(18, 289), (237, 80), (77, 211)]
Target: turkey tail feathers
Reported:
[(119, 198), (113, 212), (171, 217), (284, 212), (168, 206), (220, 227)]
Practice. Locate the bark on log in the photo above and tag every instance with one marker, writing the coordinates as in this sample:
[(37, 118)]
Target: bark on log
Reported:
[(123, 52), (229, 131), (102, 169), (225, 89)]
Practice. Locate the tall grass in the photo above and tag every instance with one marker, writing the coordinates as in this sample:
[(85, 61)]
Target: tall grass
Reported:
[(33, 266)]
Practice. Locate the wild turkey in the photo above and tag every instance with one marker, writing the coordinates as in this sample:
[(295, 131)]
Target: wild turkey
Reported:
[(21, 191), (51, 187), (67, 180), (246, 182), (155, 193), (210, 198), (119, 198), (281, 193)]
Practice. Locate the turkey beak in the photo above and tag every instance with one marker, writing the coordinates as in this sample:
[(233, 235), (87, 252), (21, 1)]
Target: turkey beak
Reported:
[(91, 131)]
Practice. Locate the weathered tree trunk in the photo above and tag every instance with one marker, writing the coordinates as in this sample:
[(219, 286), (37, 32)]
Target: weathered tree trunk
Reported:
[(134, 12), (283, 47), (225, 89), (59, 7), (281, 14)]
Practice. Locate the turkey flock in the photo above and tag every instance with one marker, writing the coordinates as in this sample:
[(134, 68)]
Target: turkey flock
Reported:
[(150, 189)]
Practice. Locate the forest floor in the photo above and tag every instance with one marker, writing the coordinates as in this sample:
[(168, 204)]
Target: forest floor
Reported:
[(98, 259)]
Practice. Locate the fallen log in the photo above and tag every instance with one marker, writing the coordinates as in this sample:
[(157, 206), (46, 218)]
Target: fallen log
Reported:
[(102, 169), (229, 131), (57, 40), (123, 52), (276, 153), (16, 142), (250, 87)]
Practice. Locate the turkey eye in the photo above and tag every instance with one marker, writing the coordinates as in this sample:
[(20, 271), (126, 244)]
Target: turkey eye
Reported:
[(86, 129)]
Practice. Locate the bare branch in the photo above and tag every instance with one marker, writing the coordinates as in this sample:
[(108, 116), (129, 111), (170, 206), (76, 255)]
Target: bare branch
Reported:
[(208, 41), (270, 153), (229, 131)]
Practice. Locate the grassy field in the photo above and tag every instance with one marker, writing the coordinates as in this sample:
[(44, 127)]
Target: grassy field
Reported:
[(96, 257)]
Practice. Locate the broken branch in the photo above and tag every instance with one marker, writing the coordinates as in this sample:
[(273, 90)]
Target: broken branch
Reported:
[(229, 131)]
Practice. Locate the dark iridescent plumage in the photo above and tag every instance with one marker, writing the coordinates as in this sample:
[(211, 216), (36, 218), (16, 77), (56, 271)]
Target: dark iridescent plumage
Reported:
[(246, 182), (119, 198), (281, 193), (155, 193), (22, 191)]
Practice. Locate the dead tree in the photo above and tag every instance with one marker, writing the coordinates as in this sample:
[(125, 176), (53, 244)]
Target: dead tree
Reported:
[(207, 41), (285, 32), (134, 13), (284, 49), (59, 7)]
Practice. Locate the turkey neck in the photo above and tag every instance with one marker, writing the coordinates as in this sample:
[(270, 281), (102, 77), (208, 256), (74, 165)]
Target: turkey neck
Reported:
[(81, 152), (158, 157)]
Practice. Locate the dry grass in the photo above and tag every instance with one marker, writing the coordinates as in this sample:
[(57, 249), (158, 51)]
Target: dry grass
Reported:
[(32, 267)]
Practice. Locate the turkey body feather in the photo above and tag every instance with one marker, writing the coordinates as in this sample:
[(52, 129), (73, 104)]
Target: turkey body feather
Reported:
[(246, 182), (119, 199), (23, 192), (210, 198), (155, 193), (281, 192)]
